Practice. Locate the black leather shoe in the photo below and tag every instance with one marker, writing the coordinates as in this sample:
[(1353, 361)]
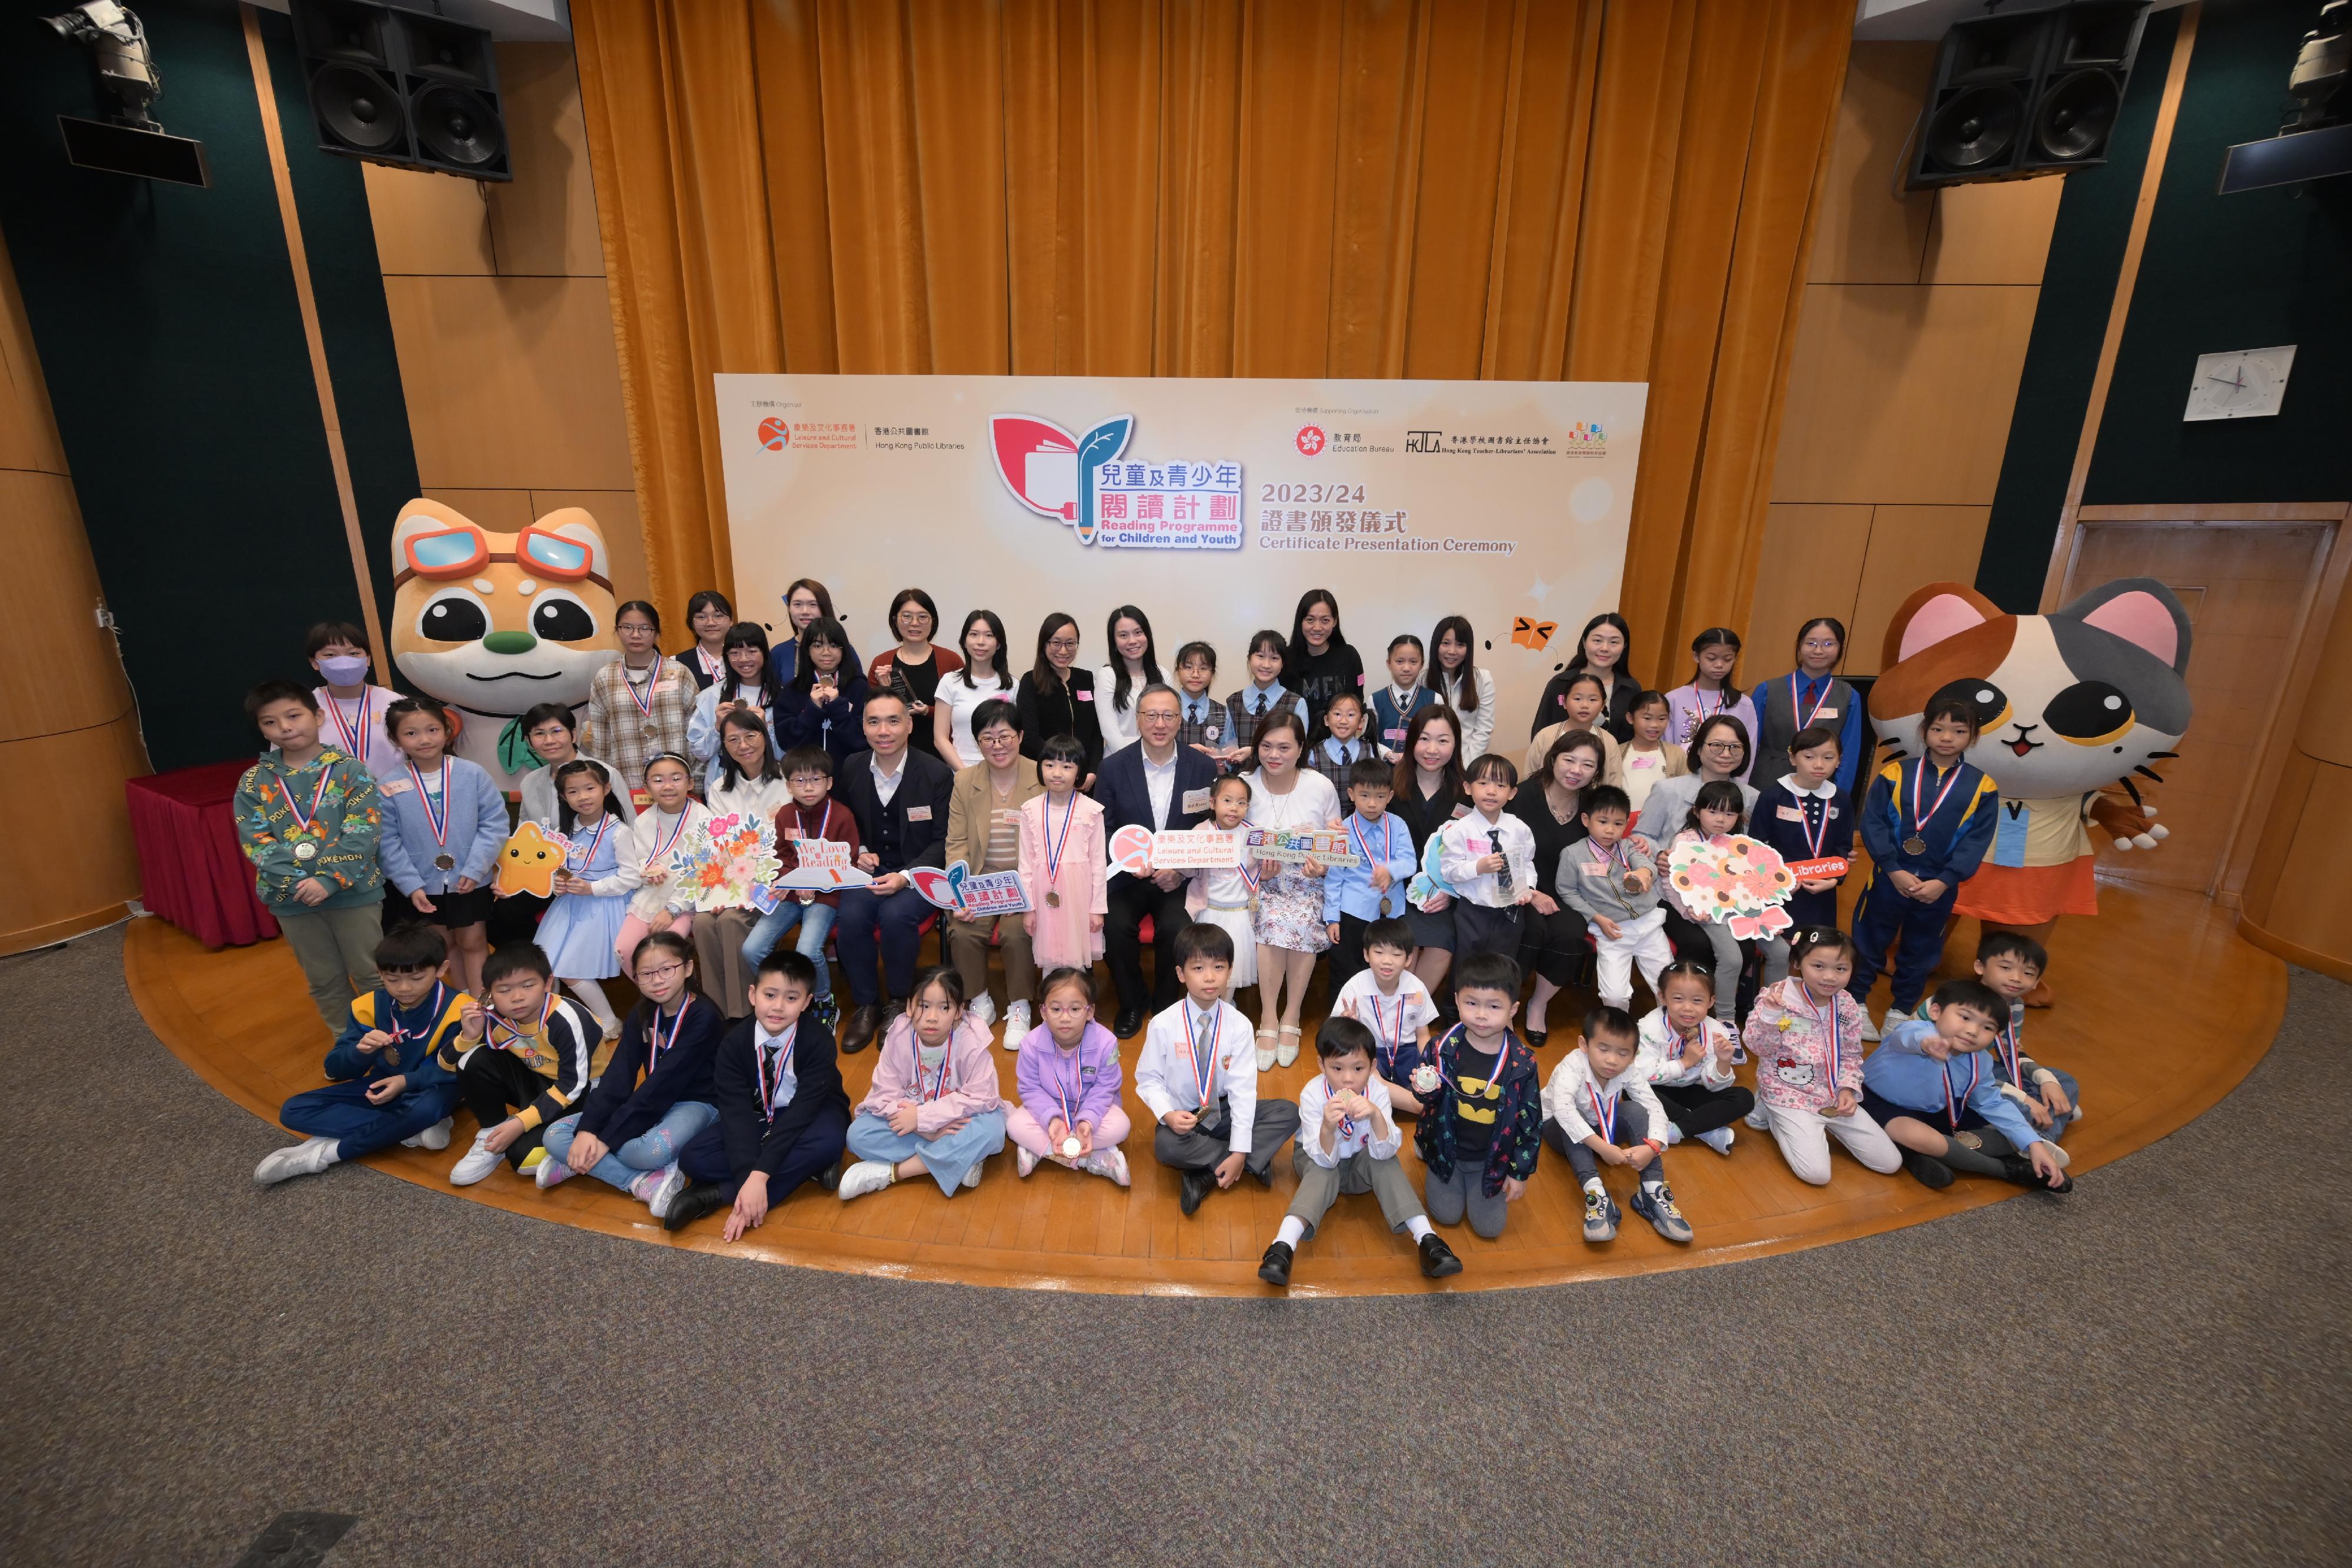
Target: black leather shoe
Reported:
[(860, 1031), (1535, 1037), (1437, 1260), (1929, 1170), (2019, 1169), (1275, 1266), (829, 1179), (1128, 1024), (702, 1197), (890, 1011), (1265, 1174), (1198, 1185)]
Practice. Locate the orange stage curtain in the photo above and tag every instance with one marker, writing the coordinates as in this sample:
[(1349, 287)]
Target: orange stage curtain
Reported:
[(1606, 189)]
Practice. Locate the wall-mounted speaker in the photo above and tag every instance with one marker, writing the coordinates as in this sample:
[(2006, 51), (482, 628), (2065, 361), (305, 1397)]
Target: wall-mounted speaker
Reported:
[(2031, 92), (403, 87)]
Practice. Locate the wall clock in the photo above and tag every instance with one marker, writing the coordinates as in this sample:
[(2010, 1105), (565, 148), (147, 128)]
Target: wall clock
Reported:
[(2242, 383)]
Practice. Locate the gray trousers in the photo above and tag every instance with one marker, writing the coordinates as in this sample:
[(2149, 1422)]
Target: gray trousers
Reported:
[(336, 948), (1632, 1127), (1205, 1144), (1464, 1194), (1359, 1173)]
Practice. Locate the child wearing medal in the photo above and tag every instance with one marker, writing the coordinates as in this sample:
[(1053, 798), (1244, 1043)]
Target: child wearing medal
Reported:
[(444, 823), (1355, 896), (1201, 721), (1810, 695), (1805, 816), (651, 851), (656, 1093), (1609, 878), (1489, 857), (1715, 653), (352, 709), (522, 1061), (1806, 1033), (2012, 963), (1199, 1075), (1932, 1088), (1068, 1079), (1062, 862), (1227, 897), (1715, 813), (1927, 823), (1482, 1111), (308, 819), (583, 919), (934, 1106), (1348, 1142), (1646, 759), (1388, 998), (386, 1085), (1688, 1056), (639, 703), (1599, 1109)]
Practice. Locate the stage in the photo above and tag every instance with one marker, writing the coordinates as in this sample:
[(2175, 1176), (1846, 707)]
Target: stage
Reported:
[(2162, 1010)]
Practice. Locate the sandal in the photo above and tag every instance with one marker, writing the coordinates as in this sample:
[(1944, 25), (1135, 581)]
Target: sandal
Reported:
[(1288, 1052), (1265, 1051)]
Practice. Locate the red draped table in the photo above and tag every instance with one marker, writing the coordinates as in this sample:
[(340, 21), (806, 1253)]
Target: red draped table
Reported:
[(197, 878)]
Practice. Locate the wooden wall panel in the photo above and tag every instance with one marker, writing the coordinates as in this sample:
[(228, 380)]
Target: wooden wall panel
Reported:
[(544, 223), (427, 225), (64, 671), (1867, 230), (1997, 234), (2311, 903), (1811, 566), (502, 511), (1908, 545), (511, 382), (56, 886), (1902, 394)]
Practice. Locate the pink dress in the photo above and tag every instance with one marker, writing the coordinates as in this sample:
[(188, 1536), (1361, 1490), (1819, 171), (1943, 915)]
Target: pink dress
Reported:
[(1062, 937)]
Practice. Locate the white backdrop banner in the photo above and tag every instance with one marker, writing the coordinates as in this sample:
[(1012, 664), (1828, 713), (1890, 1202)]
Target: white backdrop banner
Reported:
[(1210, 505)]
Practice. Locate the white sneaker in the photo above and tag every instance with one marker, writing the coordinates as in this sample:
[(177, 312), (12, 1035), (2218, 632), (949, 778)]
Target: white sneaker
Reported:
[(672, 1183), (971, 1177), (865, 1177), (983, 1008), (476, 1163), (435, 1137), (1111, 1163), (552, 1172), (1674, 1135), (1871, 1030), (308, 1157), (1016, 1025), (1023, 1160), (1719, 1140), (1759, 1118), (1287, 1050)]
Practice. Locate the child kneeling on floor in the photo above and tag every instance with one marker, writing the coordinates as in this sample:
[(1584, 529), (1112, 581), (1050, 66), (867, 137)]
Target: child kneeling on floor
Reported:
[(1931, 1087), (1068, 1077), (1481, 1103), (783, 1118), (934, 1105), (1687, 1058), (1198, 1072), (1600, 1109), (389, 1088), (1348, 1142), (656, 1094), (528, 1049)]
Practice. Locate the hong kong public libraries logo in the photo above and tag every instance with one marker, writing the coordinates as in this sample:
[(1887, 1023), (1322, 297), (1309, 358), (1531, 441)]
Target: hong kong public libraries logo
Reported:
[(1089, 483)]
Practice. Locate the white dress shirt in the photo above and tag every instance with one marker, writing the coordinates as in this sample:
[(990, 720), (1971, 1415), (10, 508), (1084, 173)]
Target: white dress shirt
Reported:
[(1458, 852), (885, 785), (1346, 1141), (1160, 780), (1567, 1098), (1661, 1060), (764, 1047), (1165, 1075)]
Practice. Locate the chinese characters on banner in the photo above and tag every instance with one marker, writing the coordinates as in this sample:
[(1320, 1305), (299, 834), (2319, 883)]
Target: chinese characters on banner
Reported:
[(1169, 504)]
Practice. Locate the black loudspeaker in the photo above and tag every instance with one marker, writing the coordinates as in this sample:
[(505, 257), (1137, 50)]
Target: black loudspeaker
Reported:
[(403, 87), (2032, 92)]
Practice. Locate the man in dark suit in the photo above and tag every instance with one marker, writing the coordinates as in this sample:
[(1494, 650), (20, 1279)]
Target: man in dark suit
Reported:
[(900, 796), (1158, 784)]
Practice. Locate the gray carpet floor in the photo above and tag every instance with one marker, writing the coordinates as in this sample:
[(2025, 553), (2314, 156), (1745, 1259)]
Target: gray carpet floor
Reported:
[(2153, 1370)]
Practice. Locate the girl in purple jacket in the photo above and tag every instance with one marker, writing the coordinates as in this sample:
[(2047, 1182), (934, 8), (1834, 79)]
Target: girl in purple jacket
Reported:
[(1068, 1076)]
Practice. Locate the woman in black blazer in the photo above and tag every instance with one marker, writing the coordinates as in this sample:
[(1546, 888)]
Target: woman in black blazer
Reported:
[(1057, 698)]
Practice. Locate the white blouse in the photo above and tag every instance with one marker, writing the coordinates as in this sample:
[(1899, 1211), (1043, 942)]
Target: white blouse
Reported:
[(962, 698), (1478, 724), (1311, 803), (1118, 728)]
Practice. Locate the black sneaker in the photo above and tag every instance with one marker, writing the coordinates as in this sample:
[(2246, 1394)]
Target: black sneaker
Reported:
[(1275, 1266), (1929, 1170), (828, 1012), (1437, 1260), (829, 1179), (2017, 1168), (1198, 1185)]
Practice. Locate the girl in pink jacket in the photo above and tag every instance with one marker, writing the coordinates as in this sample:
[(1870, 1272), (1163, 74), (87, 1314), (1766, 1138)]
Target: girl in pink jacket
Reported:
[(934, 1104), (1806, 1036)]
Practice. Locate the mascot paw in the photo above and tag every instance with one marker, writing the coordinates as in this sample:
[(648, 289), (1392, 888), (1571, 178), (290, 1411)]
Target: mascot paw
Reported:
[(2145, 841), (2157, 830), (2122, 843)]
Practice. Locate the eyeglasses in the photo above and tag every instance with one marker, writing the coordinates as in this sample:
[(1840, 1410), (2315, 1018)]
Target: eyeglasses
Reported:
[(1722, 746), (663, 973), (1820, 644), (1063, 646)]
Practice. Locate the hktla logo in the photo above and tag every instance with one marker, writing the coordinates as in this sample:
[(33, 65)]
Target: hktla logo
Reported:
[(1051, 471)]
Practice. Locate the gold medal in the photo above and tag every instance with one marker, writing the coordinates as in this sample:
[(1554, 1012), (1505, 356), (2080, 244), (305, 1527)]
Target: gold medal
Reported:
[(306, 851)]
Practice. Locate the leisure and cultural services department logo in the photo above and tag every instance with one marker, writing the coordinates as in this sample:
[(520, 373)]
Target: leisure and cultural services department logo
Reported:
[(1088, 482)]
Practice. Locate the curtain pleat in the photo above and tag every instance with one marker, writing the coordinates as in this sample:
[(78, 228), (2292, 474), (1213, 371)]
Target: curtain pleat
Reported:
[(1606, 189)]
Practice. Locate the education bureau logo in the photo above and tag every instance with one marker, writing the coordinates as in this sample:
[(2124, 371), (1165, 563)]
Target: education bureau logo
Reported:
[(1310, 439), (1090, 483)]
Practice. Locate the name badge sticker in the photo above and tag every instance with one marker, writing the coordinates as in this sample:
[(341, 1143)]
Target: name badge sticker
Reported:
[(1792, 813), (395, 786), (918, 813), (1195, 801), (1826, 712)]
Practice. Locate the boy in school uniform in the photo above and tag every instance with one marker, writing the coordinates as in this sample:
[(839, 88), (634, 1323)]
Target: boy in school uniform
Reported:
[(1930, 1086), (1390, 1001), (308, 817), (1609, 878), (2012, 964), (387, 1085), (1348, 1142), (1197, 1073), (1599, 1109), (1355, 896), (783, 1116), (1481, 1103), (528, 1049)]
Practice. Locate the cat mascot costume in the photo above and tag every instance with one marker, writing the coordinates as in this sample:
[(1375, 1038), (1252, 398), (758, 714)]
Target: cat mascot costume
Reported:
[(494, 624), (2074, 703)]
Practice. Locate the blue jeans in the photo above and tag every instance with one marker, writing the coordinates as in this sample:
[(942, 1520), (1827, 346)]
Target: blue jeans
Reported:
[(947, 1157), (814, 921), (648, 1150)]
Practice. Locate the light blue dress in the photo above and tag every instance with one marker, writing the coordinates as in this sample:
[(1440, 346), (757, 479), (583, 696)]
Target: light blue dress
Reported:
[(579, 929)]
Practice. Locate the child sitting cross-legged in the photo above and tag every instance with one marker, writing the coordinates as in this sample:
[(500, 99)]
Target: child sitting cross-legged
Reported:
[(656, 1093), (1687, 1057), (387, 1087), (1348, 1142), (1481, 1104), (1598, 1110), (1068, 1077), (783, 1118), (1805, 1035), (1199, 1074), (1930, 1086), (934, 1104), (530, 1049)]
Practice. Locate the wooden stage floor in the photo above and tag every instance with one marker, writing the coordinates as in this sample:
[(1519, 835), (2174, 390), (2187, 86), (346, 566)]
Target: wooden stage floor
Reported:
[(2162, 1010)]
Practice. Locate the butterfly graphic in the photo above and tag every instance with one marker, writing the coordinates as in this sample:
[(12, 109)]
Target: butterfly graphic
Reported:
[(1536, 634)]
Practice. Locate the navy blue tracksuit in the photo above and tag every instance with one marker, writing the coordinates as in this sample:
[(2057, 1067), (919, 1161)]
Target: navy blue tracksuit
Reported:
[(1955, 833)]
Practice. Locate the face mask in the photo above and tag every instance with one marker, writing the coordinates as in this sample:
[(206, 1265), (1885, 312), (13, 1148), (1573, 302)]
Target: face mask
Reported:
[(345, 669)]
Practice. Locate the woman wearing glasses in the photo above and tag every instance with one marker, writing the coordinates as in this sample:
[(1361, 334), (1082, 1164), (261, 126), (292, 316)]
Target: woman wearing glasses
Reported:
[(1808, 696), (1719, 750), (1057, 698), (913, 668)]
